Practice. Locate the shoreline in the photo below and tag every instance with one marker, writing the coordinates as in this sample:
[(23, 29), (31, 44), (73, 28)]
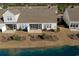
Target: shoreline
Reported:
[(40, 47), (36, 45)]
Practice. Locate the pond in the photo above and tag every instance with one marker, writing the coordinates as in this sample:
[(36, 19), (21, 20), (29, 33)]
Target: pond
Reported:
[(57, 51)]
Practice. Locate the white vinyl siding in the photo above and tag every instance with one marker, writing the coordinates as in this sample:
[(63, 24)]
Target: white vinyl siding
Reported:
[(10, 17), (49, 26), (2, 27)]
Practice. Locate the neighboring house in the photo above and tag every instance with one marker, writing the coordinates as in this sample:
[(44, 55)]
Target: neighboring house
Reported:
[(28, 19), (71, 17)]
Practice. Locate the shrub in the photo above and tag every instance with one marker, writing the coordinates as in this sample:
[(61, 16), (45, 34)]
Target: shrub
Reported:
[(45, 36), (4, 39), (55, 38), (58, 29), (72, 6), (20, 29), (15, 37), (51, 30), (41, 36), (77, 35), (5, 6), (44, 29)]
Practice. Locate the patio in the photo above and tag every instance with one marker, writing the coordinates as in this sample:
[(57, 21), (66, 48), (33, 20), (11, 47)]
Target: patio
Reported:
[(9, 31)]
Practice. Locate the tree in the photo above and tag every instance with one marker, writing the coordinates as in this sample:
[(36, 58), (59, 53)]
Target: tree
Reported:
[(5, 6)]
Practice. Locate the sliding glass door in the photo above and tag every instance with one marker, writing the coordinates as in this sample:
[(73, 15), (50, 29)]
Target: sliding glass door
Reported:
[(35, 26)]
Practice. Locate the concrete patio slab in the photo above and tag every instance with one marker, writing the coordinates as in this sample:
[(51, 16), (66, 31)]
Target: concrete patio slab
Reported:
[(9, 31)]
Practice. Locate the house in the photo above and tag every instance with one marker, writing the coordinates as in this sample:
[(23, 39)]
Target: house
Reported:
[(29, 19), (71, 18)]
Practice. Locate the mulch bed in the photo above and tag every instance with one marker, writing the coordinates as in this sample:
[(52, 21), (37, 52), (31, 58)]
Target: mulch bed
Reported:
[(6, 38), (32, 37), (73, 36), (44, 37)]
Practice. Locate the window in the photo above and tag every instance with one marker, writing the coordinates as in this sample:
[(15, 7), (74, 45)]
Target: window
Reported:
[(22, 26), (73, 25), (35, 26), (9, 18), (47, 25), (76, 25), (50, 25), (39, 26), (14, 26)]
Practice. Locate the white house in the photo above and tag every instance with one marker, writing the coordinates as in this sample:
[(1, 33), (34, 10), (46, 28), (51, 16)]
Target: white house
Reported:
[(71, 17), (28, 19)]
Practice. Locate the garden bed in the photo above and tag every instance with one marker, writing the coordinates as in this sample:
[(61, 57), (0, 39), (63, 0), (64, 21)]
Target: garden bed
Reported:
[(6, 38), (43, 37), (74, 36)]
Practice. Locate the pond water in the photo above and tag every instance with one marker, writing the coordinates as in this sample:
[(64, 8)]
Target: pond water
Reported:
[(58, 51)]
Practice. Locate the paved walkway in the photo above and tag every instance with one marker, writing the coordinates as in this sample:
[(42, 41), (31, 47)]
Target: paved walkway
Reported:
[(35, 31), (9, 31)]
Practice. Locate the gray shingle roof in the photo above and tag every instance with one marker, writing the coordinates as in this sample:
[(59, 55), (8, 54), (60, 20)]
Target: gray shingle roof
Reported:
[(73, 14), (34, 15), (37, 15), (14, 11)]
